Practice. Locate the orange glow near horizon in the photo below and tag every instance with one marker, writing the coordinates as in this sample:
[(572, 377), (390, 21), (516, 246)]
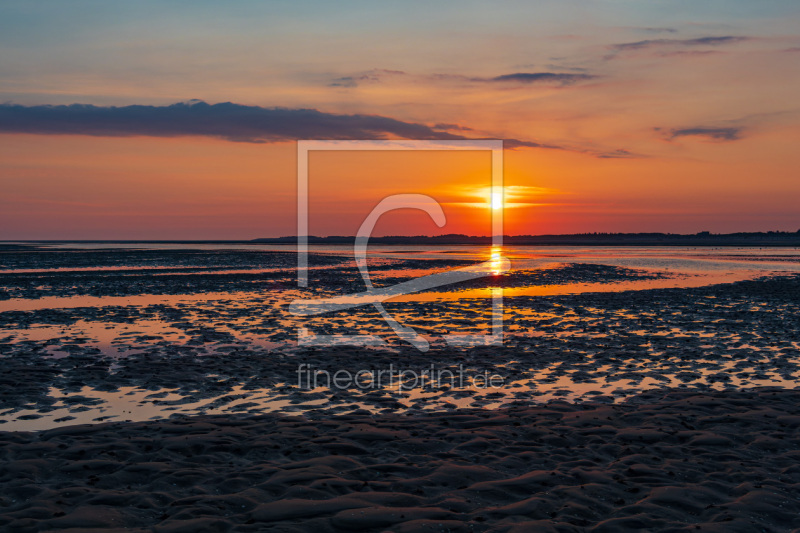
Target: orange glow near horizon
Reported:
[(617, 117), (200, 188)]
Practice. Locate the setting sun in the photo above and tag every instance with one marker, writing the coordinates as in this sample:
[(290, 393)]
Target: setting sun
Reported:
[(497, 199)]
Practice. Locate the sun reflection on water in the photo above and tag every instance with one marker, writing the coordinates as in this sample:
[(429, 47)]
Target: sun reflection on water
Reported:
[(496, 258)]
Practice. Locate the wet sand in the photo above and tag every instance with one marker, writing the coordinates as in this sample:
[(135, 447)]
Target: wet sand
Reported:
[(91, 364), (629, 407), (680, 461)]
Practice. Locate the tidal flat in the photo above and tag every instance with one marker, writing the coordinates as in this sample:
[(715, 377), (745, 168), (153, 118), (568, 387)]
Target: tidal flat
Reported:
[(665, 355)]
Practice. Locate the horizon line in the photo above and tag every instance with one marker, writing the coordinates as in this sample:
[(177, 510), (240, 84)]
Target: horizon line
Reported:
[(262, 240)]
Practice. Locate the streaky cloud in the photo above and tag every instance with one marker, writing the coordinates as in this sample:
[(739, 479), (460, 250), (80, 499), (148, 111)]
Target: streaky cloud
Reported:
[(699, 41), (374, 76), (717, 134), (540, 77), (523, 78), (691, 53), (346, 81), (619, 153), (658, 29)]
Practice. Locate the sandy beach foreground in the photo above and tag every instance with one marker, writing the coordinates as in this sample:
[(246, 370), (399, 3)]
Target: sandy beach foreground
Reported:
[(661, 461)]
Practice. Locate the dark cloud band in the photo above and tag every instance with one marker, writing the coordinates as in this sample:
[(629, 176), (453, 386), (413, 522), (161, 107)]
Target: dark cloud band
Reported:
[(233, 122), (229, 121)]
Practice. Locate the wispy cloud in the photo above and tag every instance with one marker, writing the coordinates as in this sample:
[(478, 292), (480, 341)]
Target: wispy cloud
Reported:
[(558, 78), (717, 134), (619, 153), (691, 53), (346, 81), (734, 129), (374, 75), (655, 29), (521, 78), (699, 41)]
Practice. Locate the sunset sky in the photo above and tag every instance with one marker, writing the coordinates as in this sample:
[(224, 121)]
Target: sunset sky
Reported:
[(177, 120)]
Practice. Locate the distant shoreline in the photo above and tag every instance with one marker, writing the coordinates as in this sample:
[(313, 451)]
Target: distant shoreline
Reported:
[(773, 238), (702, 239)]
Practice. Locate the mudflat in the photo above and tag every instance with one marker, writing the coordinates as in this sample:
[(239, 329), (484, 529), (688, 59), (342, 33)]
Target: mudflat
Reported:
[(666, 461)]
